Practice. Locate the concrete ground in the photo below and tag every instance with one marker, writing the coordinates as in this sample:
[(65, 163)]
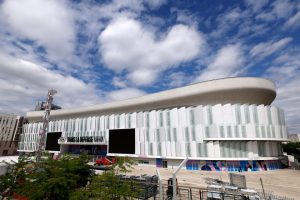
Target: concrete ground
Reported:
[(284, 182)]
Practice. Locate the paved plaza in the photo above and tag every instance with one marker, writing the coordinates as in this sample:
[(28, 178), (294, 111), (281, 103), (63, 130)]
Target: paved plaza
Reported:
[(284, 182)]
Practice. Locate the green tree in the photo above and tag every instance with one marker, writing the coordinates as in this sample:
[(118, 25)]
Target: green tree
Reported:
[(16, 175), (107, 186), (292, 148), (48, 179)]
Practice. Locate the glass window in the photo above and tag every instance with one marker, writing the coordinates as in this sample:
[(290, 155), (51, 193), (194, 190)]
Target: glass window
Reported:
[(129, 121), (204, 149), (207, 134), (192, 116), (150, 149), (282, 121), (244, 149), (158, 149), (161, 119), (238, 114), (269, 115), (188, 149), (147, 134), (222, 135), (147, 119), (244, 131), (273, 131), (169, 134), (269, 132), (247, 114), (86, 124), (107, 122), (118, 121), (229, 134), (174, 134), (261, 149), (158, 135), (257, 132), (229, 147), (187, 137), (255, 117), (240, 149), (209, 115), (193, 133), (263, 131), (236, 130), (222, 149), (199, 149), (168, 118)]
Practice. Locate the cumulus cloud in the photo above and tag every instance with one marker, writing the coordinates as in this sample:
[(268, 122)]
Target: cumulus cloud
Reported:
[(49, 23), (227, 62), (24, 82), (126, 45), (125, 93), (265, 49)]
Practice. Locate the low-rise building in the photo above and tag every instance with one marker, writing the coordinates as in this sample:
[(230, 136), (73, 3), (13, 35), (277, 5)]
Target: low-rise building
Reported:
[(294, 137), (10, 129)]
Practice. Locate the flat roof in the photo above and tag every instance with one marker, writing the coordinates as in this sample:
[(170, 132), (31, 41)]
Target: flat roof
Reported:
[(238, 90)]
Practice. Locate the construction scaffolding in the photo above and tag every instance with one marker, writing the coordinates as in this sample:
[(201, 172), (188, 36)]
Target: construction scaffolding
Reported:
[(44, 130)]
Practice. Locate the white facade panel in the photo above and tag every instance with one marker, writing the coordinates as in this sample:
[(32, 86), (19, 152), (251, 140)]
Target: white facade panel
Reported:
[(183, 131)]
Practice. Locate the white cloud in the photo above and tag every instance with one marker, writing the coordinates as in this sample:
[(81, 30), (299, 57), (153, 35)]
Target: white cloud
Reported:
[(143, 76), (185, 16), (117, 8), (266, 16), (228, 20), (282, 8), (294, 21), (256, 5), (154, 4), (178, 79), (288, 99), (126, 45), (264, 49), (285, 71), (22, 83), (49, 23), (125, 93), (118, 82), (227, 62)]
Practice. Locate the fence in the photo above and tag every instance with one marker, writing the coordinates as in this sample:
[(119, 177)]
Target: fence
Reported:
[(146, 188)]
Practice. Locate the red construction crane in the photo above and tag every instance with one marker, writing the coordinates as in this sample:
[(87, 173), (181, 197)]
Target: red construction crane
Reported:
[(44, 130)]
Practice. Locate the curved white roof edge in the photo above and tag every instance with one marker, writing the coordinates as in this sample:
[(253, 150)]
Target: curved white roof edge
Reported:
[(242, 90)]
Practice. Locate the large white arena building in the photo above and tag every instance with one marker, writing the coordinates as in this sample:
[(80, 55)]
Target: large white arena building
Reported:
[(225, 124)]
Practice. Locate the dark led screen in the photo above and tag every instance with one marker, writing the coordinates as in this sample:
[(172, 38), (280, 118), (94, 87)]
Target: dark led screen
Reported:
[(52, 141), (122, 141)]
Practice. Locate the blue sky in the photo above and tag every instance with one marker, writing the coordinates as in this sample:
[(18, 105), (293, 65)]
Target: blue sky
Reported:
[(100, 51)]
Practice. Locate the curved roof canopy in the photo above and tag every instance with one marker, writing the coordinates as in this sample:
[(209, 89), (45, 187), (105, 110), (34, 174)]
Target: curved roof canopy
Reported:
[(239, 90)]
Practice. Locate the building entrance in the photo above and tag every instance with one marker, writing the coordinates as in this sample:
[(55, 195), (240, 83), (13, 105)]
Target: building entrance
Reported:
[(165, 164)]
